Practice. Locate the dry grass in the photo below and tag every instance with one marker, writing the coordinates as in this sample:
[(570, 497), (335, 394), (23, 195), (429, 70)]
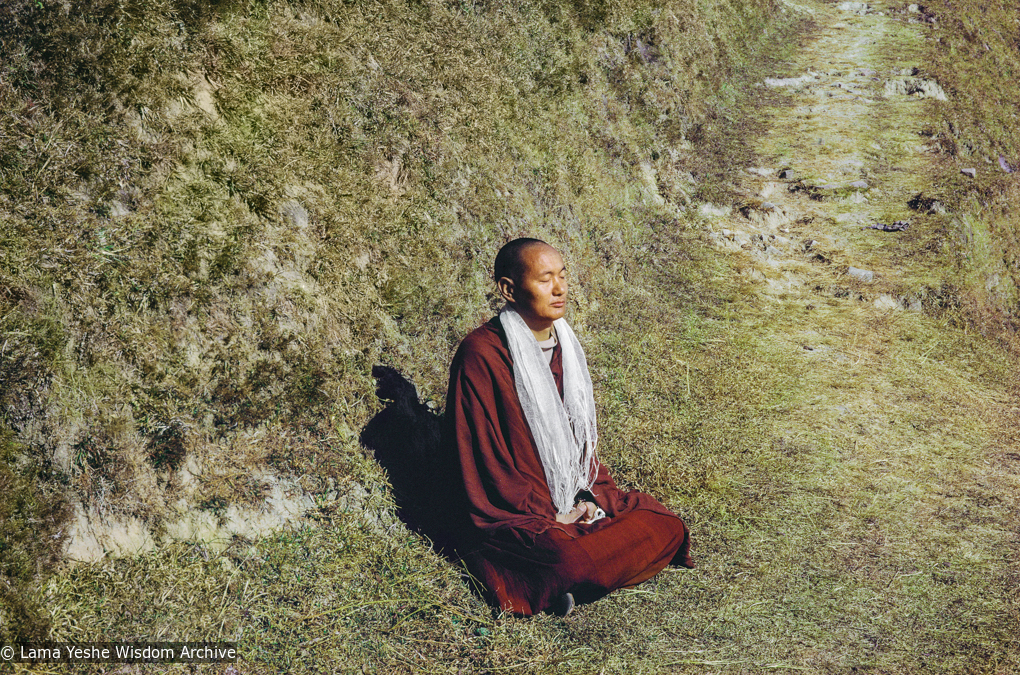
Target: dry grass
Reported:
[(275, 200), (976, 60), (281, 195)]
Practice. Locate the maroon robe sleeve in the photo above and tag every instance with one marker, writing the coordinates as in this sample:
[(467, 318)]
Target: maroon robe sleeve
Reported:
[(490, 442)]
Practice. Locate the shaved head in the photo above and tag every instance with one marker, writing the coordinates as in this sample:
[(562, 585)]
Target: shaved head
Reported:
[(512, 260), (532, 278)]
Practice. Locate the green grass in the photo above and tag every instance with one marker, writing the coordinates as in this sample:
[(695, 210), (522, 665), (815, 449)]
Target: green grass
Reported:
[(822, 545), (976, 60), (33, 521), (216, 217)]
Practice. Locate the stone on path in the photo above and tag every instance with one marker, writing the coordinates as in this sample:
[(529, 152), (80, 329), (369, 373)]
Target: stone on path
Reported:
[(712, 211), (915, 86), (887, 302), (860, 8), (867, 276), (898, 226), (790, 81)]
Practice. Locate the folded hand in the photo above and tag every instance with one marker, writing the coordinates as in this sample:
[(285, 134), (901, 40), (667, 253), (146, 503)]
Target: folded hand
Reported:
[(582, 511)]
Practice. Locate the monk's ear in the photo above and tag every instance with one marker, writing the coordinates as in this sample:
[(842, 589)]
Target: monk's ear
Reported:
[(505, 285)]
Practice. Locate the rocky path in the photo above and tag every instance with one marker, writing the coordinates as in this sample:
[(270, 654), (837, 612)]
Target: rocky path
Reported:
[(910, 423), (847, 155)]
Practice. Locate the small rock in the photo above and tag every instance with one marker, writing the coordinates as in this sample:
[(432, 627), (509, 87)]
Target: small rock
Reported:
[(914, 86), (726, 233), (969, 172), (768, 206), (1004, 165), (786, 174), (867, 276), (859, 8), (860, 184), (118, 210), (760, 171), (741, 238), (711, 211), (886, 302), (790, 81), (898, 226), (914, 9), (923, 203), (295, 213), (773, 252), (809, 244)]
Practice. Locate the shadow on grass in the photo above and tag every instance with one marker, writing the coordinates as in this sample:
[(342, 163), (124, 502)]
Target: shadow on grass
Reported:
[(405, 438)]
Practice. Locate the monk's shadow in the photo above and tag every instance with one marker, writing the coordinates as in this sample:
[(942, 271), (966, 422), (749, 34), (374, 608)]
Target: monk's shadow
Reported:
[(405, 438)]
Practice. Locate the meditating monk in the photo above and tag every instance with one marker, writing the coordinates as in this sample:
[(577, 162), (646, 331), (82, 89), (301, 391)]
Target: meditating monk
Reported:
[(542, 523)]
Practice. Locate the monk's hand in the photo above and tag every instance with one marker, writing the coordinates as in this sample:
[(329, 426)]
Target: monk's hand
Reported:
[(573, 515), (582, 512), (589, 511)]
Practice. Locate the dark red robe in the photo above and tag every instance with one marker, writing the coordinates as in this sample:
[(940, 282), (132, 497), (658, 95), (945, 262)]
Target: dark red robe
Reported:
[(500, 511)]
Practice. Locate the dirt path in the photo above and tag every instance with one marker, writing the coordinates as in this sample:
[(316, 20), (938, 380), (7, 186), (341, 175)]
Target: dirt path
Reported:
[(900, 428)]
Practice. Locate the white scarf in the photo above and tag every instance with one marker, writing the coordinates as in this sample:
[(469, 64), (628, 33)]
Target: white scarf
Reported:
[(564, 430)]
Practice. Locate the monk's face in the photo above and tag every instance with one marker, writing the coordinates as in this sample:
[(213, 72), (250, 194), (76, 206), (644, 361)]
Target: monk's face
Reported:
[(540, 296)]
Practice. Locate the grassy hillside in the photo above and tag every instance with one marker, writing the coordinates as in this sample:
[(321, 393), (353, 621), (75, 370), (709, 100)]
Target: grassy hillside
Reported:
[(974, 51), (216, 217)]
